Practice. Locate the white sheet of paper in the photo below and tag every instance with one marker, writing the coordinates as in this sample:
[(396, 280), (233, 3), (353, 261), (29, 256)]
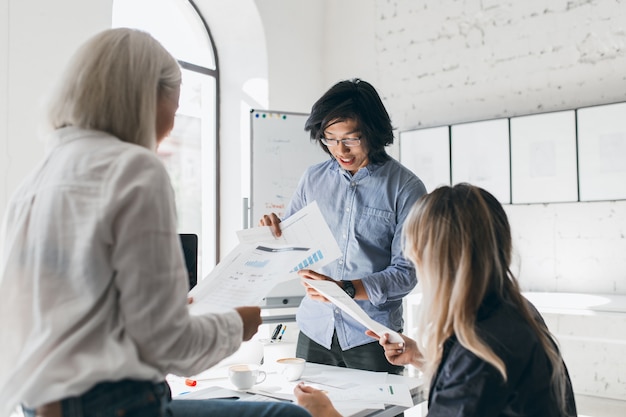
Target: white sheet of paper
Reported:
[(345, 378), (209, 393), (396, 394), (306, 227), (256, 234), (337, 296), (346, 387), (346, 400), (250, 271)]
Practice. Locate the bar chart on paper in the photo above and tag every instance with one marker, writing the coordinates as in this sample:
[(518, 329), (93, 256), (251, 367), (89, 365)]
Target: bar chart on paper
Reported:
[(261, 261), (309, 261)]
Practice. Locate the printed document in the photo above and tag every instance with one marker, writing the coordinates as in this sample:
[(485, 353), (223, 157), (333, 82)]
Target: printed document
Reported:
[(260, 261), (338, 297)]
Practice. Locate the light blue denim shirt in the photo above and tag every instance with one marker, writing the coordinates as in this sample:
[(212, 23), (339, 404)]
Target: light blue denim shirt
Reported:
[(365, 213)]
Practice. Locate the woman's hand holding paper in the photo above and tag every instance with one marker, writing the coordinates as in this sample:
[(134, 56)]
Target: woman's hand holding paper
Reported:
[(404, 353)]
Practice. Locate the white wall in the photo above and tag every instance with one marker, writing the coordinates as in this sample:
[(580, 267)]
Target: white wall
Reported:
[(242, 53), (570, 247), (294, 52), (312, 45), (4, 103), (36, 39)]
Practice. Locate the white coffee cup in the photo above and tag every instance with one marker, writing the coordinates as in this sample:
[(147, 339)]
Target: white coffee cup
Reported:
[(245, 376), (291, 368)]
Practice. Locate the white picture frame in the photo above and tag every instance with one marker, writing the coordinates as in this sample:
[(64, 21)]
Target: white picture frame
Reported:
[(543, 158), (426, 152), (602, 152), (481, 156)]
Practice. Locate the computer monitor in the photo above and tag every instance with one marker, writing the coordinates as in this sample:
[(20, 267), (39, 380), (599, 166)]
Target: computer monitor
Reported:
[(189, 243)]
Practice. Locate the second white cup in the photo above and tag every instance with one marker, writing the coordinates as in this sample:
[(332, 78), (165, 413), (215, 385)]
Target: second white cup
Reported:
[(245, 376), (291, 368)]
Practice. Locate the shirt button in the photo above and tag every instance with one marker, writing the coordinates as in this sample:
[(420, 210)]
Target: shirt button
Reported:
[(341, 262), (344, 236), (347, 208), (353, 184)]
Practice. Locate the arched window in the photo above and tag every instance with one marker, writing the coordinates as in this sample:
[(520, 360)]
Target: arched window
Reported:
[(190, 153)]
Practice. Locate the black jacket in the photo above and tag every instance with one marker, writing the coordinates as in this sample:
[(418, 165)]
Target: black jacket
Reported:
[(465, 385)]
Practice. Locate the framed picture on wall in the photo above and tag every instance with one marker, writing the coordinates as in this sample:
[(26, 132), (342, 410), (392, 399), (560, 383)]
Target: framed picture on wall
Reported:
[(543, 158), (426, 152), (602, 152), (481, 156)]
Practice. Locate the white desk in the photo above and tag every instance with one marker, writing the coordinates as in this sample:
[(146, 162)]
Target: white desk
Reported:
[(275, 384)]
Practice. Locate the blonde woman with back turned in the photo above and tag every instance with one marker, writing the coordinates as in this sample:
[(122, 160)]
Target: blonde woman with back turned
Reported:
[(484, 348), (93, 285)]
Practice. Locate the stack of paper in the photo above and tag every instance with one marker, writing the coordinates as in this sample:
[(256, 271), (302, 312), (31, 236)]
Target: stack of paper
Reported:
[(260, 261)]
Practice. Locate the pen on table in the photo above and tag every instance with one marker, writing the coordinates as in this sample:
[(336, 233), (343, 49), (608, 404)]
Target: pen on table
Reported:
[(282, 333), (191, 382), (276, 331)]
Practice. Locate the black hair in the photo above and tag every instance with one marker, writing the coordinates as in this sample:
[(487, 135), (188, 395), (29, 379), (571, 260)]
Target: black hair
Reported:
[(357, 100)]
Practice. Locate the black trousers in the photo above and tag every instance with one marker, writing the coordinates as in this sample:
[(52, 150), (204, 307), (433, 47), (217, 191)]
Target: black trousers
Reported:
[(368, 357)]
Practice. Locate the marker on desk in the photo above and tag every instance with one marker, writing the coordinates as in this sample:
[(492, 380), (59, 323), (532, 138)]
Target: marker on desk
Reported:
[(282, 333), (276, 331), (191, 382)]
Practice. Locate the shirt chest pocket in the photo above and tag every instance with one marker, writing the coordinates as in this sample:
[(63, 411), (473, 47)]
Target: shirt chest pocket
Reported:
[(376, 226)]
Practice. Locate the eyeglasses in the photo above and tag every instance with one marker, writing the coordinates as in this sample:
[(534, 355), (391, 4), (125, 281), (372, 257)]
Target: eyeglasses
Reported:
[(349, 142)]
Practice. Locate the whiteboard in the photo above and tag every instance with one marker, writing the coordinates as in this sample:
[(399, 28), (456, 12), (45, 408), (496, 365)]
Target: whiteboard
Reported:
[(280, 152)]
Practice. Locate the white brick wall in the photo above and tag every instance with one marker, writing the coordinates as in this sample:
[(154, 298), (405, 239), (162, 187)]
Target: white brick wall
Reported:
[(570, 247), (591, 332), (444, 62)]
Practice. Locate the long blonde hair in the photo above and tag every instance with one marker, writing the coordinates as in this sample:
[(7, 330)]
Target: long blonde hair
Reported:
[(459, 238), (112, 84)]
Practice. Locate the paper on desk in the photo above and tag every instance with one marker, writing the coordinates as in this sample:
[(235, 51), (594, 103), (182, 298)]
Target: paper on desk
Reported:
[(338, 297), (209, 393), (260, 261), (344, 378), (372, 395)]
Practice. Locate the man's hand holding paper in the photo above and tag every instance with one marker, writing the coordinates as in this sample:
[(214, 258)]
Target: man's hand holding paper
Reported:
[(308, 275), (331, 291)]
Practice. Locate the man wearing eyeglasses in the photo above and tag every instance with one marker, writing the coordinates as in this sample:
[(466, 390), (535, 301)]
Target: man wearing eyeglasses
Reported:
[(364, 196)]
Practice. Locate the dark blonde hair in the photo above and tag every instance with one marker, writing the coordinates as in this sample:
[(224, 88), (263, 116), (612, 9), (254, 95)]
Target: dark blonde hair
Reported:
[(459, 239), (112, 84)]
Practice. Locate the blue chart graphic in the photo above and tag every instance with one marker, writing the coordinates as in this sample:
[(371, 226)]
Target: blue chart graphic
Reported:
[(315, 257), (257, 264)]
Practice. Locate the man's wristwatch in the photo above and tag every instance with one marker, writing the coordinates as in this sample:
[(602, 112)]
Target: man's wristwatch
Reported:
[(349, 289)]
